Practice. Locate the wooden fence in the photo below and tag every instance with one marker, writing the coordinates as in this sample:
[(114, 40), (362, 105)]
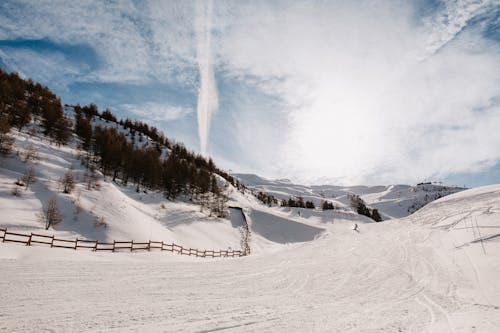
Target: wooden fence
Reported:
[(115, 246)]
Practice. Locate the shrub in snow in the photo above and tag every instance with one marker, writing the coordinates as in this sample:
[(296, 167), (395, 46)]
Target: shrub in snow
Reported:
[(100, 222), (16, 191)]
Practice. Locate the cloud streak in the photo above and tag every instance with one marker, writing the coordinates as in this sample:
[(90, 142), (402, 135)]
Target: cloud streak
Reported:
[(207, 96)]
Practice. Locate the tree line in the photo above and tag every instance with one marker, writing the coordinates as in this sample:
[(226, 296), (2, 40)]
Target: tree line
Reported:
[(22, 101), (359, 205), (170, 168), (163, 166)]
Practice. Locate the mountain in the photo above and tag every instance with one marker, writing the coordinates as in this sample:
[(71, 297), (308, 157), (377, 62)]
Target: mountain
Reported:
[(392, 201)]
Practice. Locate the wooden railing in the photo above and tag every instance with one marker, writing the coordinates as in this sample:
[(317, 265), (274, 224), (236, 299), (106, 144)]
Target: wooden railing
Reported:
[(115, 246)]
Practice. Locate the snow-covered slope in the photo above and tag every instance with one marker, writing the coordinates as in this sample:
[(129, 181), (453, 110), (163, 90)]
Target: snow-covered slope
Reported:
[(427, 272), (112, 212), (393, 201)]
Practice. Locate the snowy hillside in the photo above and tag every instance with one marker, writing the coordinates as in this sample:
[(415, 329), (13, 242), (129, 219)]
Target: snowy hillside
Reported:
[(106, 211), (100, 209), (428, 272), (393, 201)]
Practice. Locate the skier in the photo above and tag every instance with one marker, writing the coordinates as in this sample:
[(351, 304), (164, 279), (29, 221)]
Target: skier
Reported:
[(355, 227)]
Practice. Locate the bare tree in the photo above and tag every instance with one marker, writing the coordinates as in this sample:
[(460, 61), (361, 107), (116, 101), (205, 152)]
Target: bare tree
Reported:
[(52, 214), (91, 179), (29, 177), (68, 182), (30, 154)]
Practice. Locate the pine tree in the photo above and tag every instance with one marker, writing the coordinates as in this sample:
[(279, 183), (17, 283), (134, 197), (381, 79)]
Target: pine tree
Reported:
[(6, 140), (376, 216)]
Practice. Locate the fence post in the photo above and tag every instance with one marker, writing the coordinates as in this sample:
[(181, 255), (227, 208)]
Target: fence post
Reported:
[(52, 242), (131, 245), (95, 245), (76, 243), (4, 234), (149, 246), (29, 240)]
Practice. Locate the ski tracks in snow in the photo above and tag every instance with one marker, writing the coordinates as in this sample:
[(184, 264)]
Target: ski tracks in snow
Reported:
[(385, 280)]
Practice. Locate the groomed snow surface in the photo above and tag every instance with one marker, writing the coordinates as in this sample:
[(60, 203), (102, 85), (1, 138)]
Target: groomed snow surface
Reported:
[(429, 271)]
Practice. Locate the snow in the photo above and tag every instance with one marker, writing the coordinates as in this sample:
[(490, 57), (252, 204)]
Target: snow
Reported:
[(311, 272)]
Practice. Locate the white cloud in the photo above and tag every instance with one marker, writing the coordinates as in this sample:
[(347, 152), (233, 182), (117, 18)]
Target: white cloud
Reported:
[(136, 41), (49, 67), (158, 111), (368, 96)]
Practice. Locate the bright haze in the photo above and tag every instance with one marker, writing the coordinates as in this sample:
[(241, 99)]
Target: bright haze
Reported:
[(343, 92)]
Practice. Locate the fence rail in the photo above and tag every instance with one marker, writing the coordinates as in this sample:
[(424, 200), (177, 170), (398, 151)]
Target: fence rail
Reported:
[(115, 246)]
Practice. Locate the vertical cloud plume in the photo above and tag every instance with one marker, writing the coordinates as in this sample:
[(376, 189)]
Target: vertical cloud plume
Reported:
[(207, 94)]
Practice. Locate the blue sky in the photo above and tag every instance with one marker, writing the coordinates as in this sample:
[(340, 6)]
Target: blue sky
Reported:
[(344, 92)]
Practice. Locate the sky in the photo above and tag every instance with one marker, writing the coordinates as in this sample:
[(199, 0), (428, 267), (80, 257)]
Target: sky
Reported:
[(319, 92)]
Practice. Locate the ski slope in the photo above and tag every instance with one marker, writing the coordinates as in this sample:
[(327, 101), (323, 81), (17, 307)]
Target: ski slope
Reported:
[(427, 272)]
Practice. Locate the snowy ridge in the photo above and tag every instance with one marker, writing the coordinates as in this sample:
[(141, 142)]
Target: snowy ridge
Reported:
[(393, 201)]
